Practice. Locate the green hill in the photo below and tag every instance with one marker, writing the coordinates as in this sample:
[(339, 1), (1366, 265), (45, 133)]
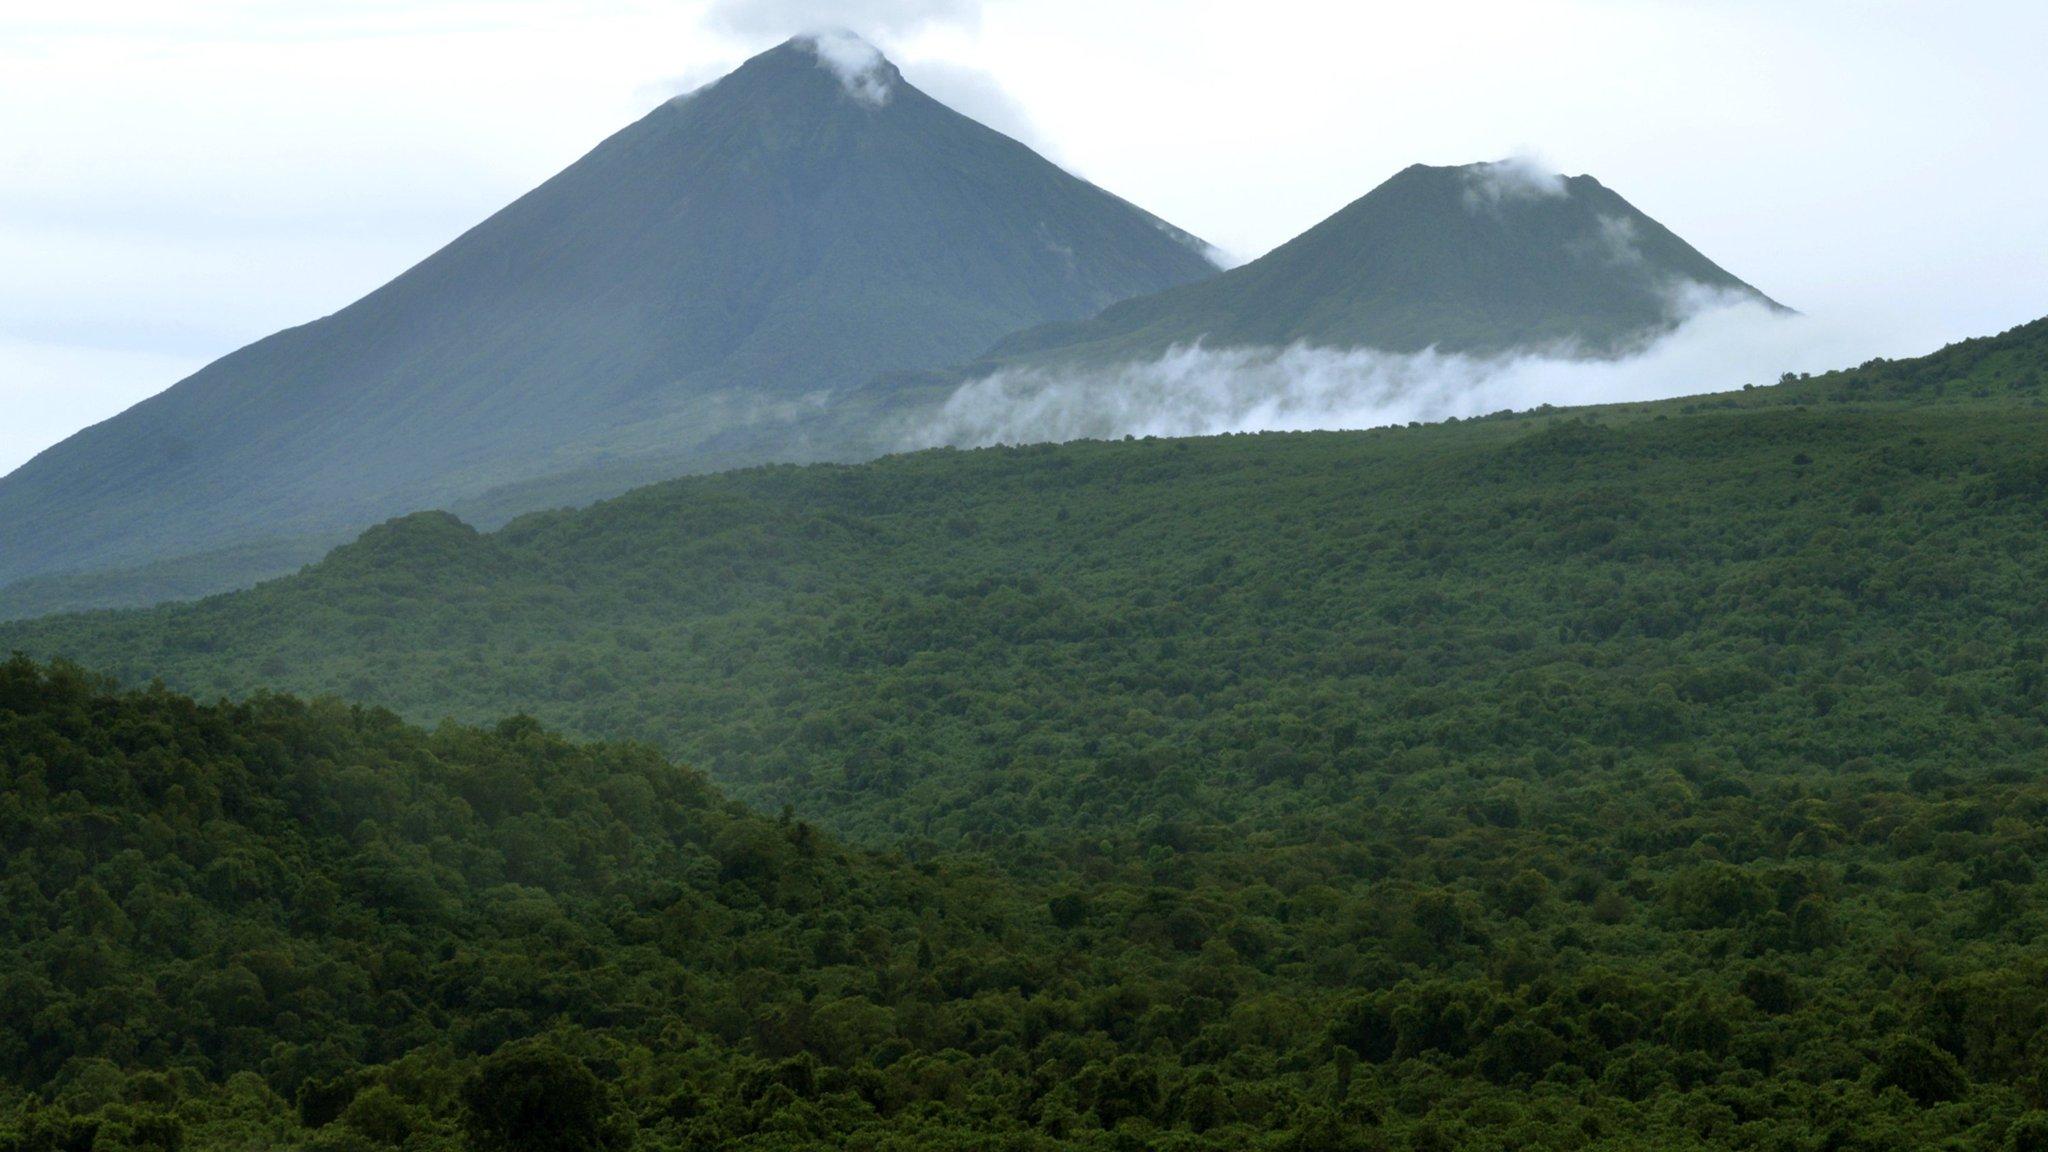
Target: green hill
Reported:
[(739, 250)]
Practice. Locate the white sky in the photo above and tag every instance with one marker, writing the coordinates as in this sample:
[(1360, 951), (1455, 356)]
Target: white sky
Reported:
[(178, 179)]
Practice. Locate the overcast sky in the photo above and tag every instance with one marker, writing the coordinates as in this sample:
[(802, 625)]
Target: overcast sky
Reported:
[(177, 180)]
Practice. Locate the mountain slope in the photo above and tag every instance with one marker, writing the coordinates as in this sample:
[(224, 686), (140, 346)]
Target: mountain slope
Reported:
[(888, 645), (1655, 776), (1484, 258), (801, 225)]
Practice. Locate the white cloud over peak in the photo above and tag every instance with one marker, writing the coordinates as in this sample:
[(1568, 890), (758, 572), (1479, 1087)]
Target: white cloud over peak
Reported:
[(1516, 178), (858, 64)]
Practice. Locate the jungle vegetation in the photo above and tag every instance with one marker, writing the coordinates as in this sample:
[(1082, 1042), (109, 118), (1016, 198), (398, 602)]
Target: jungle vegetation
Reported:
[(1662, 775)]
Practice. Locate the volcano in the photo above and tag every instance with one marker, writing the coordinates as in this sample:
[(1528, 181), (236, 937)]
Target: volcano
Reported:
[(806, 223)]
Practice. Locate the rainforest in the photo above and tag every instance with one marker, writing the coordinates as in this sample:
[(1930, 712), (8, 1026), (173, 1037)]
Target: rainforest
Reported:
[(1656, 775)]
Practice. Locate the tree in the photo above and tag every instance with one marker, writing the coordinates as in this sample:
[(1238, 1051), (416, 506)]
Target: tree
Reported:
[(2028, 1134), (533, 1097), (1921, 1070)]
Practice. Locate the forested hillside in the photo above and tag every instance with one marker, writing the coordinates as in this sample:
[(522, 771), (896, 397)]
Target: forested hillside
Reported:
[(983, 646), (279, 924), (1656, 776)]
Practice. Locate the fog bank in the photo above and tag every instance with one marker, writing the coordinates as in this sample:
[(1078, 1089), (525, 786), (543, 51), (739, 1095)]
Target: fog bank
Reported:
[(1200, 391)]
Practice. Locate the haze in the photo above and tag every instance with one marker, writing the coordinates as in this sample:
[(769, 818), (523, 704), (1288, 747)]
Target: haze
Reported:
[(172, 187)]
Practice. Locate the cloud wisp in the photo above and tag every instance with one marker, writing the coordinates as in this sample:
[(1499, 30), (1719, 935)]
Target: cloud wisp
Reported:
[(860, 66), (1488, 186), (1725, 342), (1616, 242)]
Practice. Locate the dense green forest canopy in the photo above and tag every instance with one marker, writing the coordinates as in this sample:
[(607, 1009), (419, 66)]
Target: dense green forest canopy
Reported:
[(1656, 776), (277, 924)]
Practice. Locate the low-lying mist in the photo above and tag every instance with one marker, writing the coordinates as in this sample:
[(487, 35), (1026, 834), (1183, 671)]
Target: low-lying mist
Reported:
[(1723, 343)]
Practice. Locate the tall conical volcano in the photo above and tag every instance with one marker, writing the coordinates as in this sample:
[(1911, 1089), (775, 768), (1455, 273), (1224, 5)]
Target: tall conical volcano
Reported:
[(805, 223), (1480, 258)]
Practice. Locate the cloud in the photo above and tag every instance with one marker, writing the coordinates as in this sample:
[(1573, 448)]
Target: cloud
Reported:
[(1614, 243), (1515, 178), (1617, 239), (858, 64), (1726, 342), (872, 17)]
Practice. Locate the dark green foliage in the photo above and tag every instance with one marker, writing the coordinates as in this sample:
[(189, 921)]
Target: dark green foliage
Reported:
[(1921, 1070), (2028, 1134), (212, 911), (1601, 780), (533, 1097), (719, 261)]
